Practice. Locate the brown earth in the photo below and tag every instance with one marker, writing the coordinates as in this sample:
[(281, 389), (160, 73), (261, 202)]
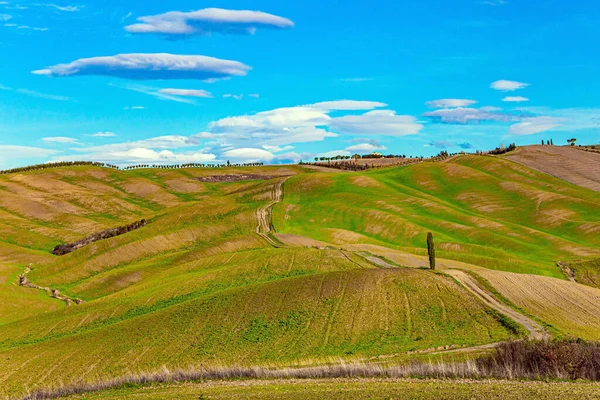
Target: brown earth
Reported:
[(570, 164), (235, 178)]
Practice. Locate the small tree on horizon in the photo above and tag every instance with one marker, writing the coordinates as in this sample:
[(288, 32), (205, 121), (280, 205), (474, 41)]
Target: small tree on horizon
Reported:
[(431, 250)]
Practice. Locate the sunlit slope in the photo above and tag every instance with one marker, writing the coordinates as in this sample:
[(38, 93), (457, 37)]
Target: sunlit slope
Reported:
[(483, 210), (565, 162), (262, 306), (197, 285)]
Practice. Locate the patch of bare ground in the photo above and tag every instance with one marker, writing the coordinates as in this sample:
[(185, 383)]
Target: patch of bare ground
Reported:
[(185, 185), (566, 163), (536, 331), (235, 178), (570, 307), (300, 241), (366, 182)]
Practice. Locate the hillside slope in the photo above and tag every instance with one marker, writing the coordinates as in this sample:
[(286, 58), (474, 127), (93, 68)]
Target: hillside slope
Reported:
[(197, 286), (567, 163), (484, 211)]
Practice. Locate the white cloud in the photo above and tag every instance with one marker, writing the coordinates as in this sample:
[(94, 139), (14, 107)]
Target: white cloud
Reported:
[(515, 99), (143, 156), (248, 155), (311, 123), (468, 115), (334, 153), (531, 126), (450, 103), (150, 66), (160, 142), (208, 21), (254, 95), (379, 122), (186, 93), (60, 8), (365, 148), (5, 17), (104, 134), (11, 153), (33, 93), (134, 108), (508, 86), (60, 139), (347, 105), (277, 149), (233, 96)]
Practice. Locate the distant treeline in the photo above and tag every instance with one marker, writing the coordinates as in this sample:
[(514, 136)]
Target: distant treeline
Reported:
[(58, 165), (191, 165), (503, 150), (132, 167), (355, 166)]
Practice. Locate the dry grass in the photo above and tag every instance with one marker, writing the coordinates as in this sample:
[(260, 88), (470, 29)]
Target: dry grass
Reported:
[(570, 307), (567, 163), (535, 360)]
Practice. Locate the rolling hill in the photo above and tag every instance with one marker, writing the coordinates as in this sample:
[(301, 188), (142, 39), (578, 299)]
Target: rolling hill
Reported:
[(333, 273)]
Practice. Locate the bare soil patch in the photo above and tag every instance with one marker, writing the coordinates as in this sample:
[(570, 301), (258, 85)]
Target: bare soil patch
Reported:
[(567, 163), (235, 178)]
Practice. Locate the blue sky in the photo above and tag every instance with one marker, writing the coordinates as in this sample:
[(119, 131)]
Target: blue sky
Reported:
[(131, 82)]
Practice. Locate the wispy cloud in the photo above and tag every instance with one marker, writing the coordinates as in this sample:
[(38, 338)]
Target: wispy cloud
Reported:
[(462, 115), (357, 80), (58, 7), (104, 134), (515, 99), (494, 2), (187, 93), (33, 93), (508, 86), (450, 103), (208, 21), (531, 126), (60, 140), (365, 148), (12, 153), (233, 96), (150, 66)]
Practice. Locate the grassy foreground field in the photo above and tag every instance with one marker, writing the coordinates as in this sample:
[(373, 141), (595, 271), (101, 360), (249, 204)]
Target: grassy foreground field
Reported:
[(358, 389), (197, 287)]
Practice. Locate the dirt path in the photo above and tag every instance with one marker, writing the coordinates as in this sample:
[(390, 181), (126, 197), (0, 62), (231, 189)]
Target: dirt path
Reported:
[(536, 331), (264, 215)]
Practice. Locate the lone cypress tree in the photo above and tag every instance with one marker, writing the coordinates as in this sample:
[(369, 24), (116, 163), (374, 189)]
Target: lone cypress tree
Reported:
[(431, 250)]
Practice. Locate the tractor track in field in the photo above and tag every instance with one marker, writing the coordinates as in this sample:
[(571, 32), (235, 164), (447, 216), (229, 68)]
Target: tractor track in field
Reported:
[(536, 331), (264, 215)]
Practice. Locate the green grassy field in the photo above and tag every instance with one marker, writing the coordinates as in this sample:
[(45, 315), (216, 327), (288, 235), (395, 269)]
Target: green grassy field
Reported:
[(198, 287), (358, 389), (482, 210), (587, 272)]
